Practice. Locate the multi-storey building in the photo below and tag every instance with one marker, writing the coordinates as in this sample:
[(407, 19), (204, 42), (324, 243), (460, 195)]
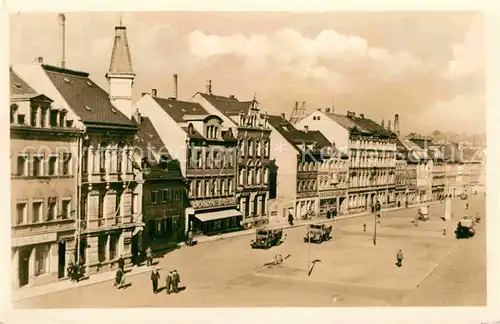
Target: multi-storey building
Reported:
[(473, 159), (206, 153), (298, 155), (252, 168), (372, 155), (44, 155), (430, 170), (163, 200), (110, 187)]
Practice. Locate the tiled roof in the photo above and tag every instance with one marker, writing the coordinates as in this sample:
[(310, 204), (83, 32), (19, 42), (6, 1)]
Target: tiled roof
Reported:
[(147, 140), (85, 97), (360, 124), (121, 62), (229, 106), (19, 87), (177, 109), (295, 136)]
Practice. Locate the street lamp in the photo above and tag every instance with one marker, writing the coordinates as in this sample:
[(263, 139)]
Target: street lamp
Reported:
[(376, 215), (309, 252)]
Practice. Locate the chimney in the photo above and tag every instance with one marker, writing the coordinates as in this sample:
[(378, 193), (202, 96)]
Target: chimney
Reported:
[(231, 96), (306, 128), (319, 109), (362, 116), (382, 123), (327, 110), (153, 93), (137, 116), (396, 124), (389, 124), (62, 23), (283, 115), (39, 59), (209, 87), (175, 86)]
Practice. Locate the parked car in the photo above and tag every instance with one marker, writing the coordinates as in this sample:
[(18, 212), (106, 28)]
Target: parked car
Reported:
[(465, 228), (317, 233), (265, 239)]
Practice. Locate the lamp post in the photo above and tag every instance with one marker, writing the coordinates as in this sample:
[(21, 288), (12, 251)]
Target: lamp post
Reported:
[(375, 220), (309, 252)]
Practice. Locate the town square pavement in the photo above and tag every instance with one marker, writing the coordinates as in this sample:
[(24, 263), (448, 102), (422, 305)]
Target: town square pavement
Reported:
[(350, 270)]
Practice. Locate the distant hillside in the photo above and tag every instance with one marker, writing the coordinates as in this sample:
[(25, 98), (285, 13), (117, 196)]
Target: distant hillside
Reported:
[(472, 140)]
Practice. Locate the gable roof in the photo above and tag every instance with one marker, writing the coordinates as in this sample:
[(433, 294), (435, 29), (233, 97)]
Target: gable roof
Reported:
[(19, 87), (360, 125), (178, 109), (148, 141), (296, 137), (89, 101), (229, 106), (121, 62)]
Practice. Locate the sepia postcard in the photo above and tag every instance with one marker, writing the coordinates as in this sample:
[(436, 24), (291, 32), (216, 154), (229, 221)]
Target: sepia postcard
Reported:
[(248, 160)]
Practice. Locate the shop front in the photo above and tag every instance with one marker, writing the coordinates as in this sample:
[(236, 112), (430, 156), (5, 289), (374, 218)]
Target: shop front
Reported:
[(215, 222), (39, 259), (330, 202)]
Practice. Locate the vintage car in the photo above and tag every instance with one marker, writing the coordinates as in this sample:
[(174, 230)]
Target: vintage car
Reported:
[(264, 239), (317, 233), (465, 228)]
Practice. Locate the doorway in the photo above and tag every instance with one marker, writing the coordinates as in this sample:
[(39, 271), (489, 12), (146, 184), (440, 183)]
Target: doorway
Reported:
[(24, 266), (62, 260)]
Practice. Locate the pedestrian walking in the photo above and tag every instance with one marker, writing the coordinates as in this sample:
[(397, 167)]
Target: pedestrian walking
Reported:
[(399, 257), (119, 278), (155, 276), (190, 238), (364, 227), (445, 227), (176, 280), (466, 206), (121, 263), (149, 256), (168, 282), (290, 219)]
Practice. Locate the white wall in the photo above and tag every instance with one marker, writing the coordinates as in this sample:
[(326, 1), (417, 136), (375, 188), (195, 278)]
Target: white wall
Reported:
[(329, 128), (120, 92), (286, 160), (172, 135)]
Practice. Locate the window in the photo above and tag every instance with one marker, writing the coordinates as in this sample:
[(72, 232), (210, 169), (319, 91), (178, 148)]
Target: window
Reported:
[(318, 117), (199, 159), (21, 166), (42, 253), (21, 120), (165, 195), (242, 148), (119, 159), (314, 117), (266, 175), (66, 163), (66, 209), (153, 197), (208, 189), (21, 213), (52, 209), (208, 160), (259, 148), (62, 117), (85, 161), (53, 118), (101, 247), (52, 165), (13, 111), (37, 166), (199, 188), (43, 117), (102, 157), (263, 205), (242, 177), (250, 148), (100, 211), (231, 186), (37, 212), (33, 116)]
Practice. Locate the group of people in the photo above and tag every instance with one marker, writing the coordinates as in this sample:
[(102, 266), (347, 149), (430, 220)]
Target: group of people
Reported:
[(75, 271), (172, 281)]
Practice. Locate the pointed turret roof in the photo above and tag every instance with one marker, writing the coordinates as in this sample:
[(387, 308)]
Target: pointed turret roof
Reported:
[(121, 63)]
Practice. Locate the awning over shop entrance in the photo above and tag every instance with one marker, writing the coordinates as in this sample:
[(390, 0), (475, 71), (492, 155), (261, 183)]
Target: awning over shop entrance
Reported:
[(221, 214)]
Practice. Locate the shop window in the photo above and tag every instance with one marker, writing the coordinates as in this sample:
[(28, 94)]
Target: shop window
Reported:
[(42, 255)]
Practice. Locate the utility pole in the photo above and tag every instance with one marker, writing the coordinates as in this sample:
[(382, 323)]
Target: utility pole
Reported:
[(375, 221), (309, 252)]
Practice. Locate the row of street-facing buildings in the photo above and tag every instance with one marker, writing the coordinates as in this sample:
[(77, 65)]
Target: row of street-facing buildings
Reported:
[(96, 176)]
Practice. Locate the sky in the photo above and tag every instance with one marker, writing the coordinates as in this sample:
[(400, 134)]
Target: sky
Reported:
[(428, 67)]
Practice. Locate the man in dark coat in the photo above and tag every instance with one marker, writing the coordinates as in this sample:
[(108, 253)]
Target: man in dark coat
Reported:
[(175, 281), (121, 263), (290, 219), (399, 257), (168, 282), (155, 276)]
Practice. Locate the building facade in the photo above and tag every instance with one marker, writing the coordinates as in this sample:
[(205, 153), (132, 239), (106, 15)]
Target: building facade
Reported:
[(206, 153), (372, 155), (164, 191), (44, 155), (249, 124)]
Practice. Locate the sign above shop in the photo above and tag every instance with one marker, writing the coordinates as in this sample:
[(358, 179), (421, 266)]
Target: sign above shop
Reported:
[(34, 239)]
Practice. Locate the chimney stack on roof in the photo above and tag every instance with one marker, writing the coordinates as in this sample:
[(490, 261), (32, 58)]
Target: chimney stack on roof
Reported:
[(389, 124), (62, 23), (231, 96), (327, 110), (396, 124), (306, 128), (382, 123), (175, 85), (362, 116), (154, 92), (283, 115), (209, 87), (351, 114)]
